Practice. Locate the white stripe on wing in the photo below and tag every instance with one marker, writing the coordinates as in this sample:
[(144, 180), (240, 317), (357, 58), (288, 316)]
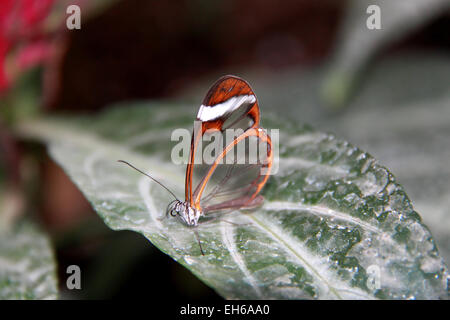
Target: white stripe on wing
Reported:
[(208, 113)]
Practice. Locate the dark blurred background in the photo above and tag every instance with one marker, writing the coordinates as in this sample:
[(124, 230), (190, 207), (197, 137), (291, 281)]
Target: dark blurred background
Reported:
[(310, 59)]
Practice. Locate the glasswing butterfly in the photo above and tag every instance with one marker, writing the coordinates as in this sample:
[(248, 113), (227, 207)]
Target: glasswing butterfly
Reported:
[(239, 162)]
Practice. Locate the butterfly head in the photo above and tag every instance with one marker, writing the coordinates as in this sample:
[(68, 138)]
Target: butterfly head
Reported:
[(184, 212)]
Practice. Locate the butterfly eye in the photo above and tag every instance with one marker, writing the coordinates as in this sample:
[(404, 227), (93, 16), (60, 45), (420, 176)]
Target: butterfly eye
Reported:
[(173, 213)]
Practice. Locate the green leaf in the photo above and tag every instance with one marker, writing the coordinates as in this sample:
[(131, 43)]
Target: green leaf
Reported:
[(332, 214), (27, 265), (401, 115), (404, 121)]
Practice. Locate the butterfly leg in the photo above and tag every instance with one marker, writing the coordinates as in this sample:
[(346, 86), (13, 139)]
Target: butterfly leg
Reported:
[(198, 240)]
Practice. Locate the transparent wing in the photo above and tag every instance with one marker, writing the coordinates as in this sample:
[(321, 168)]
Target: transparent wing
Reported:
[(229, 109), (235, 175)]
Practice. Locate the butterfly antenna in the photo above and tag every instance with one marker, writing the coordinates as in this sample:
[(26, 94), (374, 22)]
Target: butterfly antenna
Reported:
[(145, 174), (198, 240)]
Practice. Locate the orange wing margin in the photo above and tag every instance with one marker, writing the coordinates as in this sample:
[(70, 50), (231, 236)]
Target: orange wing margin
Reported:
[(257, 132)]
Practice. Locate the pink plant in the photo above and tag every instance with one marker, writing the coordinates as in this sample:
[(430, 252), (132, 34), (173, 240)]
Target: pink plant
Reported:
[(23, 40)]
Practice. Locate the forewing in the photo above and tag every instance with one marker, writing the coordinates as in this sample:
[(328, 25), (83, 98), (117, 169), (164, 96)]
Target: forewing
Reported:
[(229, 104)]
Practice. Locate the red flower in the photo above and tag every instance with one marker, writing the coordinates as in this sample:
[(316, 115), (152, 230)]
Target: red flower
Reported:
[(21, 28)]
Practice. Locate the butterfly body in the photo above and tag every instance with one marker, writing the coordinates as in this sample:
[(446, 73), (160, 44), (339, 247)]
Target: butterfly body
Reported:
[(188, 215)]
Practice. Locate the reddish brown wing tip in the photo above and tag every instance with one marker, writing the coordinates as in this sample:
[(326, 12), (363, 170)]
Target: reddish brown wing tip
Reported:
[(225, 88)]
